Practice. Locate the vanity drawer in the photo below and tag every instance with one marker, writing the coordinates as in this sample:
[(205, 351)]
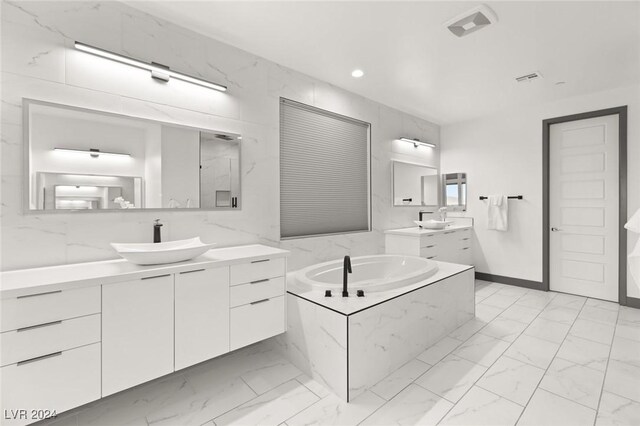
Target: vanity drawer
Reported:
[(61, 381), (46, 307), (35, 341), (428, 240), (257, 270), (257, 290), (257, 321), (429, 252)]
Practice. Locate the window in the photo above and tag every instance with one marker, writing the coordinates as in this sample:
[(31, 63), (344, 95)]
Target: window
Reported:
[(324, 172)]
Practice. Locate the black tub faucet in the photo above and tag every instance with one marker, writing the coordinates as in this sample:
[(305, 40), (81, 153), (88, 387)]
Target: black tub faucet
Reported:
[(346, 270), (157, 236)]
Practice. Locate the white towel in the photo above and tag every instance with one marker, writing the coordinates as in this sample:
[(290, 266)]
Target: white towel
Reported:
[(634, 258), (497, 213)]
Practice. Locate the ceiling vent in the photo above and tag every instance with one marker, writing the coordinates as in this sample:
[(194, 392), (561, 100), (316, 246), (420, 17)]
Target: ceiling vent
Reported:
[(529, 77), (472, 20)]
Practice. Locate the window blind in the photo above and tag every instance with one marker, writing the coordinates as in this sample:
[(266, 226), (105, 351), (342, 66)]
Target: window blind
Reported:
[(324, 172)]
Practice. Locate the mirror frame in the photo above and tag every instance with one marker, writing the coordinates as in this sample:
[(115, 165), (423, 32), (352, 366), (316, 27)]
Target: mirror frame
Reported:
[(393, 183), (25, 193)]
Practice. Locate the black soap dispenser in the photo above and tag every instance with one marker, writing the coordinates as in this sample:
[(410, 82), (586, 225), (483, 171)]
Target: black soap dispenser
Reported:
[(157, 236)]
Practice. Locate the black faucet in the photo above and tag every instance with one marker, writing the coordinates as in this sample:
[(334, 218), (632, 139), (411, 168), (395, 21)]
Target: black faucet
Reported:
[(156, 231), (346, 269)]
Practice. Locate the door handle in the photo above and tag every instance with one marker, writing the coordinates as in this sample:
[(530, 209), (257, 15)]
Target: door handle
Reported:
[(555, 229)]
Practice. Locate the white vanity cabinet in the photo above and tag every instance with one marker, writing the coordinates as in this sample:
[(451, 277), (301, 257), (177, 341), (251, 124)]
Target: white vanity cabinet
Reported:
[(257, 300), (72, 334), (448, 245), (137, 332), (202, 315), (49, 353)]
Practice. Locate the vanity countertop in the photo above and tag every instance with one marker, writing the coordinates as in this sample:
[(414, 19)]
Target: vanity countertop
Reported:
[(52, 278), (416, 231)]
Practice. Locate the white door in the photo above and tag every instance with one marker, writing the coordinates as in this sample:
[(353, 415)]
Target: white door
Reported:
[(583, 213)]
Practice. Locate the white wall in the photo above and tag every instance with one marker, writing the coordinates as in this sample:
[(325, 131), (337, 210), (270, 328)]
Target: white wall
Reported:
[(502, 154), (38, 61)]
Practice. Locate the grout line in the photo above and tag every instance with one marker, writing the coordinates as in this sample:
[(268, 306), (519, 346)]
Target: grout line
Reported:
[(500, 396), (552, 359), (487, 368), (606, 369)]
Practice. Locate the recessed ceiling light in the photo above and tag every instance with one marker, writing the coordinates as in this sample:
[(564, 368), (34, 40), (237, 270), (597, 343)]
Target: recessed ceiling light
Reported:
[(357, 73)]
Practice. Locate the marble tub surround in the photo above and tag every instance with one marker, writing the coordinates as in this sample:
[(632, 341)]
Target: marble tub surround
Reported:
[(39, 62), (349, 344), (257, 385), (65, 277)]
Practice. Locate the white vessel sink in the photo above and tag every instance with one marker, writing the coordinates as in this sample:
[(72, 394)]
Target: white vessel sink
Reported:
[(433, 224), (159, 253)]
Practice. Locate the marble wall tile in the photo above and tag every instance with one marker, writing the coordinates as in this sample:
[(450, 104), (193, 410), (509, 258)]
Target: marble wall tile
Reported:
[(40, 63)]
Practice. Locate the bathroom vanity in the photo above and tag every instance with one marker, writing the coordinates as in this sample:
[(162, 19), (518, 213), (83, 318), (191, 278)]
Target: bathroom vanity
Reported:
[(72, 334), (451, 244)]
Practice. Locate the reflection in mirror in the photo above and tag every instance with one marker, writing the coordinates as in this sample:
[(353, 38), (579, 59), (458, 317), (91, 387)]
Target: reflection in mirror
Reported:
[(454, 187), (219, 170), (87, 160), (415, 185)]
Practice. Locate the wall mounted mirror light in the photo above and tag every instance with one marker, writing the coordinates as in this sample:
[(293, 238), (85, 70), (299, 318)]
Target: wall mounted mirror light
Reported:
[(158, 71), (415, 185), (454, 191), (86, 160), (417, 142)]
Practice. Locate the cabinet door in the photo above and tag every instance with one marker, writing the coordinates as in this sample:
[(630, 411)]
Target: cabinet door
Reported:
[(137, 332), (202, 315)]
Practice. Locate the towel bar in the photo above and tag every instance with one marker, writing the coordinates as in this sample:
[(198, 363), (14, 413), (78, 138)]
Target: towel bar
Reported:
[(511, 197)]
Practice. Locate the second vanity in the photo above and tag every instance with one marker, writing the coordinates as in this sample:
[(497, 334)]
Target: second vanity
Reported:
[(451, 244), (72, 334)]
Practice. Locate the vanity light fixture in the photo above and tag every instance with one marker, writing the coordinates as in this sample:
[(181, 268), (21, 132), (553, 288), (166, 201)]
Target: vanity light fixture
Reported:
[(158, 71), (92, 152), (417, 142)]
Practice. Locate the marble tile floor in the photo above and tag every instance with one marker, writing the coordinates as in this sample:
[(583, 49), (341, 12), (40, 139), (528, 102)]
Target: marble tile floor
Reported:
[(528, 358)]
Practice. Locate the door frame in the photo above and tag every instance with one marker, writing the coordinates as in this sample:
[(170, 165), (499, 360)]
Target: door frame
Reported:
[(622, 192)]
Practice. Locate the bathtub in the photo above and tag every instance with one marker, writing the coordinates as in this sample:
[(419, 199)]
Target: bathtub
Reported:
[(370, 273), (348, 344)]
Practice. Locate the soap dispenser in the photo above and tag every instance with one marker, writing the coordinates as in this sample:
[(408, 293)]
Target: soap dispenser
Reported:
[(157, 237)]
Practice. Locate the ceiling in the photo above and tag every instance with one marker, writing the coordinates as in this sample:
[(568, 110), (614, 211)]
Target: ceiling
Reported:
[(413, 63)]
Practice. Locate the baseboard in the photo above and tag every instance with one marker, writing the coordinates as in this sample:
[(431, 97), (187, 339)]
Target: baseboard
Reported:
[(518, 282), (633, 302)]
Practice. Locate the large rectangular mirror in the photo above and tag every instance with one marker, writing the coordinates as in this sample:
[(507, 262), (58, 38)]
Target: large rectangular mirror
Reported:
[(415, 185), (86, 160), (454, 188)]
